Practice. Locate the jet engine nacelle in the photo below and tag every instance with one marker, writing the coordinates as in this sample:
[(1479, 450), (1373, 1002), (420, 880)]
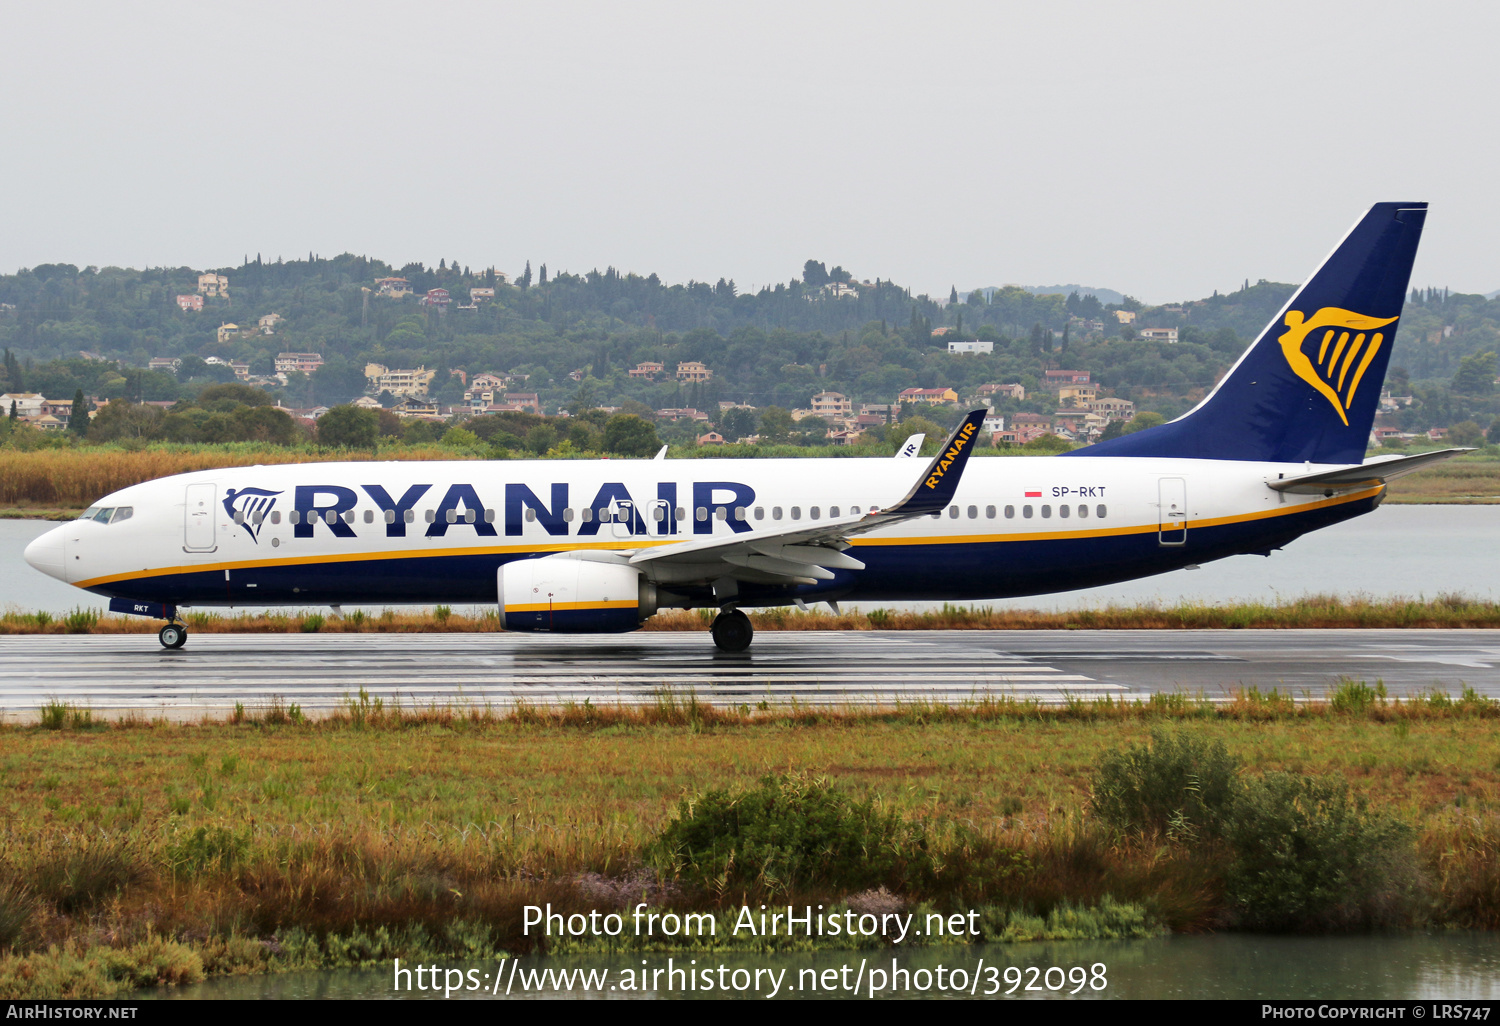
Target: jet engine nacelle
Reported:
[(576, 596)]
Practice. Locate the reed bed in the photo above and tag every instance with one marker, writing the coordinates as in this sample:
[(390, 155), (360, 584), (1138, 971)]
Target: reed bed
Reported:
[(75, 478), (1463, 480), (1309, 612)]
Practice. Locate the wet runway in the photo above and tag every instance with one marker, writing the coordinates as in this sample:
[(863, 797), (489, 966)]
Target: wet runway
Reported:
[(321, 671)]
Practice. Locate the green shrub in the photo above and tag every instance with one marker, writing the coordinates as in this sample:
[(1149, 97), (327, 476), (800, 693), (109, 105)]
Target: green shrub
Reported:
[(80, 621), (1308, 856), (313, 623), (787, 831), (1178, 784), (1355, 697), (15, 912), (207, 849)]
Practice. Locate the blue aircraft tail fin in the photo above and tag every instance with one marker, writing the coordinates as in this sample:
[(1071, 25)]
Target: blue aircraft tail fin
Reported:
[(1307, 389)]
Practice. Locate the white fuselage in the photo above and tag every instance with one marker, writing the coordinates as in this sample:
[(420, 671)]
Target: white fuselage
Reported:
[(371, 532)]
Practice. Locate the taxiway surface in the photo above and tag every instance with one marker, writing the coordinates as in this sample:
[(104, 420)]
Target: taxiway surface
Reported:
[(110, 673)]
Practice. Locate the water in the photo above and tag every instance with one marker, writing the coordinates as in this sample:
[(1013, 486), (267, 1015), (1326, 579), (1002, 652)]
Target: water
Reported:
[(1412, 551), (1440, 966)]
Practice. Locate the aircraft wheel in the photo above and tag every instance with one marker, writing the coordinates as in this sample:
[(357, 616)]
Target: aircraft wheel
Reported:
[(172, 636), (732, 631)]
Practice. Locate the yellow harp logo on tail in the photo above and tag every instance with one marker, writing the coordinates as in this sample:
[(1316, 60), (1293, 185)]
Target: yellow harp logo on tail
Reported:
[(1346, 343)]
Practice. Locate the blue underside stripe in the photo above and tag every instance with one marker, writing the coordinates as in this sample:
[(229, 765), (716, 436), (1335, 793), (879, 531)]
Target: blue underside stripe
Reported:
[(954, 572)]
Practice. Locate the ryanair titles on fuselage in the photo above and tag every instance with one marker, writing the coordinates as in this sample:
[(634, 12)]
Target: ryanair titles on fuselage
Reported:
[(331, 506)]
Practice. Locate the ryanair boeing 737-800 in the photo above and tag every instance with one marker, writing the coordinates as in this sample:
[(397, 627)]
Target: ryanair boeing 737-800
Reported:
[(1276, 450)]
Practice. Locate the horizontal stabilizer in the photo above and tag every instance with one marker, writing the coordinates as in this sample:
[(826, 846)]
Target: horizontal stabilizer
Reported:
[(1376, 471)]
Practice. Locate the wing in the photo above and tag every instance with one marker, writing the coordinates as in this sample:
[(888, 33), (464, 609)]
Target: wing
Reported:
[(806, 554)]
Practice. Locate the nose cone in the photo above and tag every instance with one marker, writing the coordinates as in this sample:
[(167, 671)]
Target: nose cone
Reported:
[(45, 553)]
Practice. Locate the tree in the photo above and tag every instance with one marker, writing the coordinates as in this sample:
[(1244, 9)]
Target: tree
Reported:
[(918, 425), (953, 296), (525, 280), (348, 427), (541, 438), (776, 425), (735, 423), (1143, 420), (1476, 375), (13, 377), (814, 274), (1493, 434), (1466, 433), (629, 435), (78, 420), (541, 278)]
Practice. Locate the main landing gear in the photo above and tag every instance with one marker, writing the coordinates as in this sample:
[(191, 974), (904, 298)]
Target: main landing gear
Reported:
[(173, 635), (732, 631)]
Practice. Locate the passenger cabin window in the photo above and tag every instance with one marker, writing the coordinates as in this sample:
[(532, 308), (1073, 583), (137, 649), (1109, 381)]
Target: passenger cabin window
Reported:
[(760, 512), (796, 512), (1046, 512), (702, 514), (775, 512), (1063, 511), (568, 515), (1026, 512), (1083, 511), (489, 516), (833, 512), (973, 512), (586, 515), (813, 513), (390, 516), (530, 515), (276, 516), (739, 512), (679, 513), (1100, 511), (952, 512), (989, 512), (1010, 512), (410, 516), (854, 511), (369, 516)]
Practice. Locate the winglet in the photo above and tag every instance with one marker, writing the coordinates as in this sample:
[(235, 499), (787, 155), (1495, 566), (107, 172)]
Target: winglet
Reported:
[(934, 490), (912, 446)]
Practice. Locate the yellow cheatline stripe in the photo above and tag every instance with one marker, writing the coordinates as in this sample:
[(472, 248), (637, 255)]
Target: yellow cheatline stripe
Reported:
[(558, 607), (954, 539), (357, 557), (1117, 531)]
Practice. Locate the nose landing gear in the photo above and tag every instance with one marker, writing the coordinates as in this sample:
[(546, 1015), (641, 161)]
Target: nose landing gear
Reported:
[(173, 635), (732, 631)]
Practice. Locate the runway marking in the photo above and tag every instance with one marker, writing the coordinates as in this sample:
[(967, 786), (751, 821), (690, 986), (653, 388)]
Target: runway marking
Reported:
[(499, 671)]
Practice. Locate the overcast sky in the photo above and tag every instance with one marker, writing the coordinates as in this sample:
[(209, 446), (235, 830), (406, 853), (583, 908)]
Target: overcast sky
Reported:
[(1161, 149)]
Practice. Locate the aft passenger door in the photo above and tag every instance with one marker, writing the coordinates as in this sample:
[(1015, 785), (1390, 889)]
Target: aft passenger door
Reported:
[(1173, 520), (199, 519)]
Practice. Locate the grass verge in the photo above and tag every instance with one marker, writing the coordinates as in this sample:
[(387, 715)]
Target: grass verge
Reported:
[(142, 852), (1310, 612)]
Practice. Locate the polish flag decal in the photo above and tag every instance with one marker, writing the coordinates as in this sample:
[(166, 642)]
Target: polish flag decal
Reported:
[(1033, 495)]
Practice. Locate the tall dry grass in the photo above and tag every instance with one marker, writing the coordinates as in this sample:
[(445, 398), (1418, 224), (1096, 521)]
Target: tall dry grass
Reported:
[(74, 478)]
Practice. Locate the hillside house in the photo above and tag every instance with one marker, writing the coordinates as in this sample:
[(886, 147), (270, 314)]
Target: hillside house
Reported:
[(930, 396), (191, 303), (647, 369), (524, 401), (832, 404), (693, 372), (395, 288), (227, 332), (1158, 334), (974, 346), (1009, 391), (213, 285), (307, 363), (1027, 427), (164, 363)]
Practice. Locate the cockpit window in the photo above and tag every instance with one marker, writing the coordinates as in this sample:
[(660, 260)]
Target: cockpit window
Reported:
[(107, 514)]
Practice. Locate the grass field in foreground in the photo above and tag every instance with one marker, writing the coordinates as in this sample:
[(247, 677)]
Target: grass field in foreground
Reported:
[(1315, 611), (141, 852)]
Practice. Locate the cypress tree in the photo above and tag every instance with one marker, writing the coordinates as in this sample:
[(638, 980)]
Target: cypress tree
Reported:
[(78, 420)]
